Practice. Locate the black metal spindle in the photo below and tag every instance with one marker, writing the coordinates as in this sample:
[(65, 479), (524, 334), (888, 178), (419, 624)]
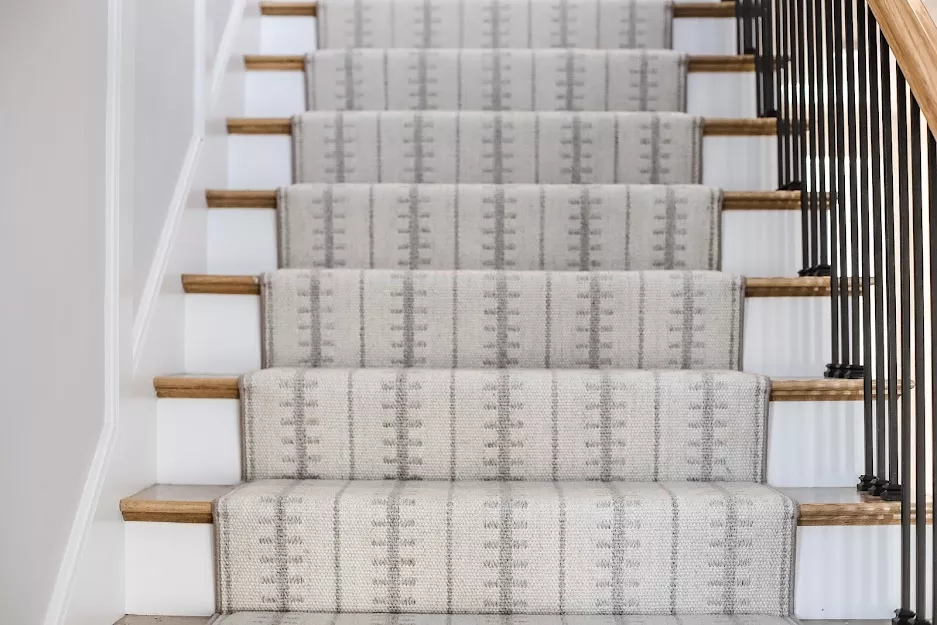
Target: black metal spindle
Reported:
[(917, 228), (862, 194), (932, 222), (813, 197), (891, 491), (782, 81), (904, 265), (877, 484), (833, 93), (766, 57), (851, 368)]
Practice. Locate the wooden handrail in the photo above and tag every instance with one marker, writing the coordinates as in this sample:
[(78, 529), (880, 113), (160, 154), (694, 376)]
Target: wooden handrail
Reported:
[(912, 36)]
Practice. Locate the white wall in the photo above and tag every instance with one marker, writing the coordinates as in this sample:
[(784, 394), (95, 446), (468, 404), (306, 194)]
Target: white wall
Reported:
[(52, 251)]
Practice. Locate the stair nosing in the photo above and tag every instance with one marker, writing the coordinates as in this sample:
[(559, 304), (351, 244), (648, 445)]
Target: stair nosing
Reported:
[(713, 127), (697, 63), (731, 200), (807, 286), (869, 511), (722, 10)]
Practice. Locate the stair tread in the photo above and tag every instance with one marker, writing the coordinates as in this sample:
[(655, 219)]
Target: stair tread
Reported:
[(682, 10), (818, 506), (136, 619), (807, 286), (696, 63), (731, 200), (728, 127)]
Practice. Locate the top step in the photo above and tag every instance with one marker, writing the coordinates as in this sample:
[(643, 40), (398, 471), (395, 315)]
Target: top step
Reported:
[(606, 24)]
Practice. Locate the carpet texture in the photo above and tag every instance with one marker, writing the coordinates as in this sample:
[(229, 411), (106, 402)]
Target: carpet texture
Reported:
[(324, 618), (497, 148), (505, 547), (481, 319), (496, 80), (508, 424), (494, 24), (522, 227)]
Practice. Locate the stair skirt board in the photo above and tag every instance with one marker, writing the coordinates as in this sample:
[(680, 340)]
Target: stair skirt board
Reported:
[(529, 227), (732, 163), (784, 337), (506, 24), (509, 424), (496, 80), (521, 547), (495, 147), (481, 319), (751, 242), (199, 442), (711, 94), (278, 618)]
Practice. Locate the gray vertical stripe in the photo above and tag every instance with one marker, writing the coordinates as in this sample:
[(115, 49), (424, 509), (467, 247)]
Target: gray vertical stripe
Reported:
[(370, 227), (311, 86), (408, 321), (359, 24), (689, 314), (362, 321), (585, 229), (501, 341), (282, 548), (707, 426), (496, 24), (643, 82), (608, 83), (427, 31), (338, 156), (455, 319), (657, 426), (377, 149), (655, 150), (506, 555), (734, 360), (496, 103), (499, 227), (543, 227), (616, 155), (642, 297), (421, 77), (449, 566), (497, 144), (576, 165), (714, 261), (386, 83), (605, 425), (595, 321), (548, 314), (414, 239), (349, 81), (731, 559), (563, 24), (537, 149), (627, 224), (670, 229), (418, 147), (570, 79), (555, 424), (315, 322), (393, 547), (452, 445), (618, 529), (402, 425), (632, 23), (328, 208), (674, 548), (504, 425), (299, 423), (561, 547)]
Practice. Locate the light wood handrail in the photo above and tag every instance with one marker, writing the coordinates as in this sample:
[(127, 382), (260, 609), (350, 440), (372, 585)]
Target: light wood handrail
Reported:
[(912, 36)]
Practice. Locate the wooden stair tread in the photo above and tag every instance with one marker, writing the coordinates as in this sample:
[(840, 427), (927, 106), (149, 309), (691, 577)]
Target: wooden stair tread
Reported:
[(755, 287), (782, 389), (756, 127), (732, 200), (689, 9), (818, 506), (697, 63)]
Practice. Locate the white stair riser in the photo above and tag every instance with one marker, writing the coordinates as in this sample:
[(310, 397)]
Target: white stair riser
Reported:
[(199, 442), (731, 163), (693, 35), (170, 570), (711, 94), (784, 336), (755, 243)]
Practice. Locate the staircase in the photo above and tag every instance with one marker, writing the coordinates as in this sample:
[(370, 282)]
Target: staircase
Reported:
[(486, 334)]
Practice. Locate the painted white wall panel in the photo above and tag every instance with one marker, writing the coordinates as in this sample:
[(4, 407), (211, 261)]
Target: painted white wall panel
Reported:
[(198, 441)]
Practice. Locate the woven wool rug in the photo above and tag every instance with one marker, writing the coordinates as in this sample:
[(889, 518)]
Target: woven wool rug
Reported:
[(480, 319), (494, 24), (523, 227), (496, 80), (508, 424), (323, 618), (497, 148), (505, 547)]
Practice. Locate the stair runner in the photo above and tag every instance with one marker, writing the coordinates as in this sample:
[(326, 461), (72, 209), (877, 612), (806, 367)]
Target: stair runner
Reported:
[(501, 377)]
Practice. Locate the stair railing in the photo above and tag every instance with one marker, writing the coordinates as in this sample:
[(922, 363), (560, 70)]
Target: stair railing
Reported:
[(847, 81)]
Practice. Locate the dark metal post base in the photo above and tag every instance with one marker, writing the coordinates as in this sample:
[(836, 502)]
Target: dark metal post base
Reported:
[(865, 483), (903, 617), (892, 492), (818, 270)]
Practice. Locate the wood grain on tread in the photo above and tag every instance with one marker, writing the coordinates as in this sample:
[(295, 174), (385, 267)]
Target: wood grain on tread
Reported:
[(696, 63), (912, 37), (755, 287), (288, 9), (731, 200), (217, 387), (818, 506), (690, 9), (763, 127)]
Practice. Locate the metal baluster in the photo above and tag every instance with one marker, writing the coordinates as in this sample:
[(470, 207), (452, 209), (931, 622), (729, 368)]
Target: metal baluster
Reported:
[(811, 203), (833, 47), (783, 86), (932, 215), (851, 368)]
